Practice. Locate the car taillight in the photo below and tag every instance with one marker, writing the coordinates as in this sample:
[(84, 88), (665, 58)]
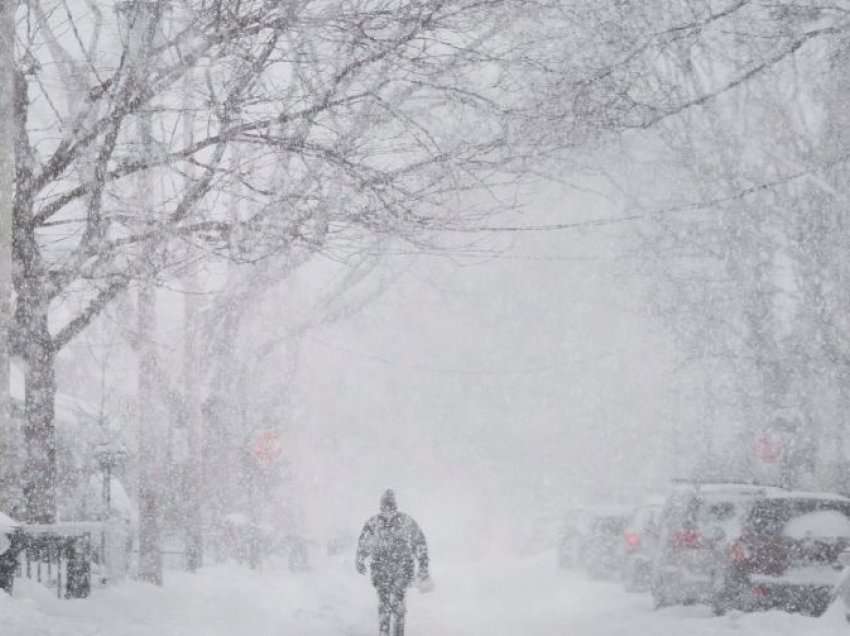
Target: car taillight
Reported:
[(686, 539), (632, 541)]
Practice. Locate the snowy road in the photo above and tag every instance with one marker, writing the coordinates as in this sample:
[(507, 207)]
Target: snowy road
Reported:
[(518, 598)]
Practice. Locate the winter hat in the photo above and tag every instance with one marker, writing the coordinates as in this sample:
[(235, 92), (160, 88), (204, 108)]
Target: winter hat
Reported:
[(388, 501)]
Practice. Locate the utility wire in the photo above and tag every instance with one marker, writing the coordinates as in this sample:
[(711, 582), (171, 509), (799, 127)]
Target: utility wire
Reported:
[(695, 206)]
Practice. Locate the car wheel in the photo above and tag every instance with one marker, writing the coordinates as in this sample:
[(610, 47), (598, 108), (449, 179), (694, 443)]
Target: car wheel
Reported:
[(722, 594), (660, 598), (818, 607), (718, 607)]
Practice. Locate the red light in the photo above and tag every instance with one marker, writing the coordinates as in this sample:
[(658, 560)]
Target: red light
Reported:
[(686, 539), (632, 540), (760, 591)]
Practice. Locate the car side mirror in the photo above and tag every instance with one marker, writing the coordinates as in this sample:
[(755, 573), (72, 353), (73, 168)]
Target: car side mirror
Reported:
[(844, 558)]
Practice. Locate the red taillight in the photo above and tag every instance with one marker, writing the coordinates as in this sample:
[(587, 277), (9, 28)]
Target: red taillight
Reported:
[(632, 541), (760, 591), (686, 539)]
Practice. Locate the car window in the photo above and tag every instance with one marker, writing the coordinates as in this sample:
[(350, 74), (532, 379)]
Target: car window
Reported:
[(821, 524), (725, 516), (801, 518), (717, 511), (690, 514), (699, 512), (610, 525), (640, 520)]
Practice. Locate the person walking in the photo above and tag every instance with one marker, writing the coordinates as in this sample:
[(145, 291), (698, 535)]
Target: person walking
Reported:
[(396, 549)]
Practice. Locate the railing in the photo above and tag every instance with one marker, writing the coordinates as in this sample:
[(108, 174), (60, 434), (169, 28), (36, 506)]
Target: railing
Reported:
[(59, 556)]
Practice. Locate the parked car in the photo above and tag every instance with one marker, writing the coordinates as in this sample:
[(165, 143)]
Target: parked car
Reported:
[(694, 524), (640, 541), (786, 554), (592, 540), (602, 548)]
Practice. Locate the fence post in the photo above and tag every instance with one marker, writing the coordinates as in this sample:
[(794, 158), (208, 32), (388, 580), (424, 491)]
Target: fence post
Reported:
[(78, 567)]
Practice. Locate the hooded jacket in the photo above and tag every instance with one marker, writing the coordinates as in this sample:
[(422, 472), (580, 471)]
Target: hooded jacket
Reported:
[(395, 544)]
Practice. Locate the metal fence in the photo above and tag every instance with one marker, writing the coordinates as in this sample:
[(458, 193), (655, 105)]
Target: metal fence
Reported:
[(60, 556)]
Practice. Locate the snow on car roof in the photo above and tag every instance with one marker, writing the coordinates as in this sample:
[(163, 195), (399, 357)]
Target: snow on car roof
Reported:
[(739, 489), (726, 486), (728, 491), (803, 494)]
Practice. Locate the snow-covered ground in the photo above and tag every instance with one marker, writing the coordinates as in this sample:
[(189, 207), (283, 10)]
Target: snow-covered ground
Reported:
[(514, 598)]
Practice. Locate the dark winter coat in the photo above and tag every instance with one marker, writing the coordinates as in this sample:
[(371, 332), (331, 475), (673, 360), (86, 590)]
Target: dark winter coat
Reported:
[(394, 544)]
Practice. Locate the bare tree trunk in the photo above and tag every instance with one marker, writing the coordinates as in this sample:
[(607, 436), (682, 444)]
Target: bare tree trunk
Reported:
[(35, 345), (150, 555), (224, 405), (150, 464), (7, 184), (30, 337), (39, 429), (191, 385), (194, 520), (143, 20), (220, 441)]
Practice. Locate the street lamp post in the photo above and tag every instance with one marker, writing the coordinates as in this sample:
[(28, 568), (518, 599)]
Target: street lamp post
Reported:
[(109, 457)]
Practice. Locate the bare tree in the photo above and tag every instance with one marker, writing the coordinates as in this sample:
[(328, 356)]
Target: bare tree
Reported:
[(747, 241), (351, 121), (7, 182)]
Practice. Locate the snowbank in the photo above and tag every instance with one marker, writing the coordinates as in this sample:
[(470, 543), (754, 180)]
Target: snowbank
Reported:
[(490, 598), (219, 601)]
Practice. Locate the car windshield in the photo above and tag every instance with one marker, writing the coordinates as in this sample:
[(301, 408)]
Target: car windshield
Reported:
[(609, 525)]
